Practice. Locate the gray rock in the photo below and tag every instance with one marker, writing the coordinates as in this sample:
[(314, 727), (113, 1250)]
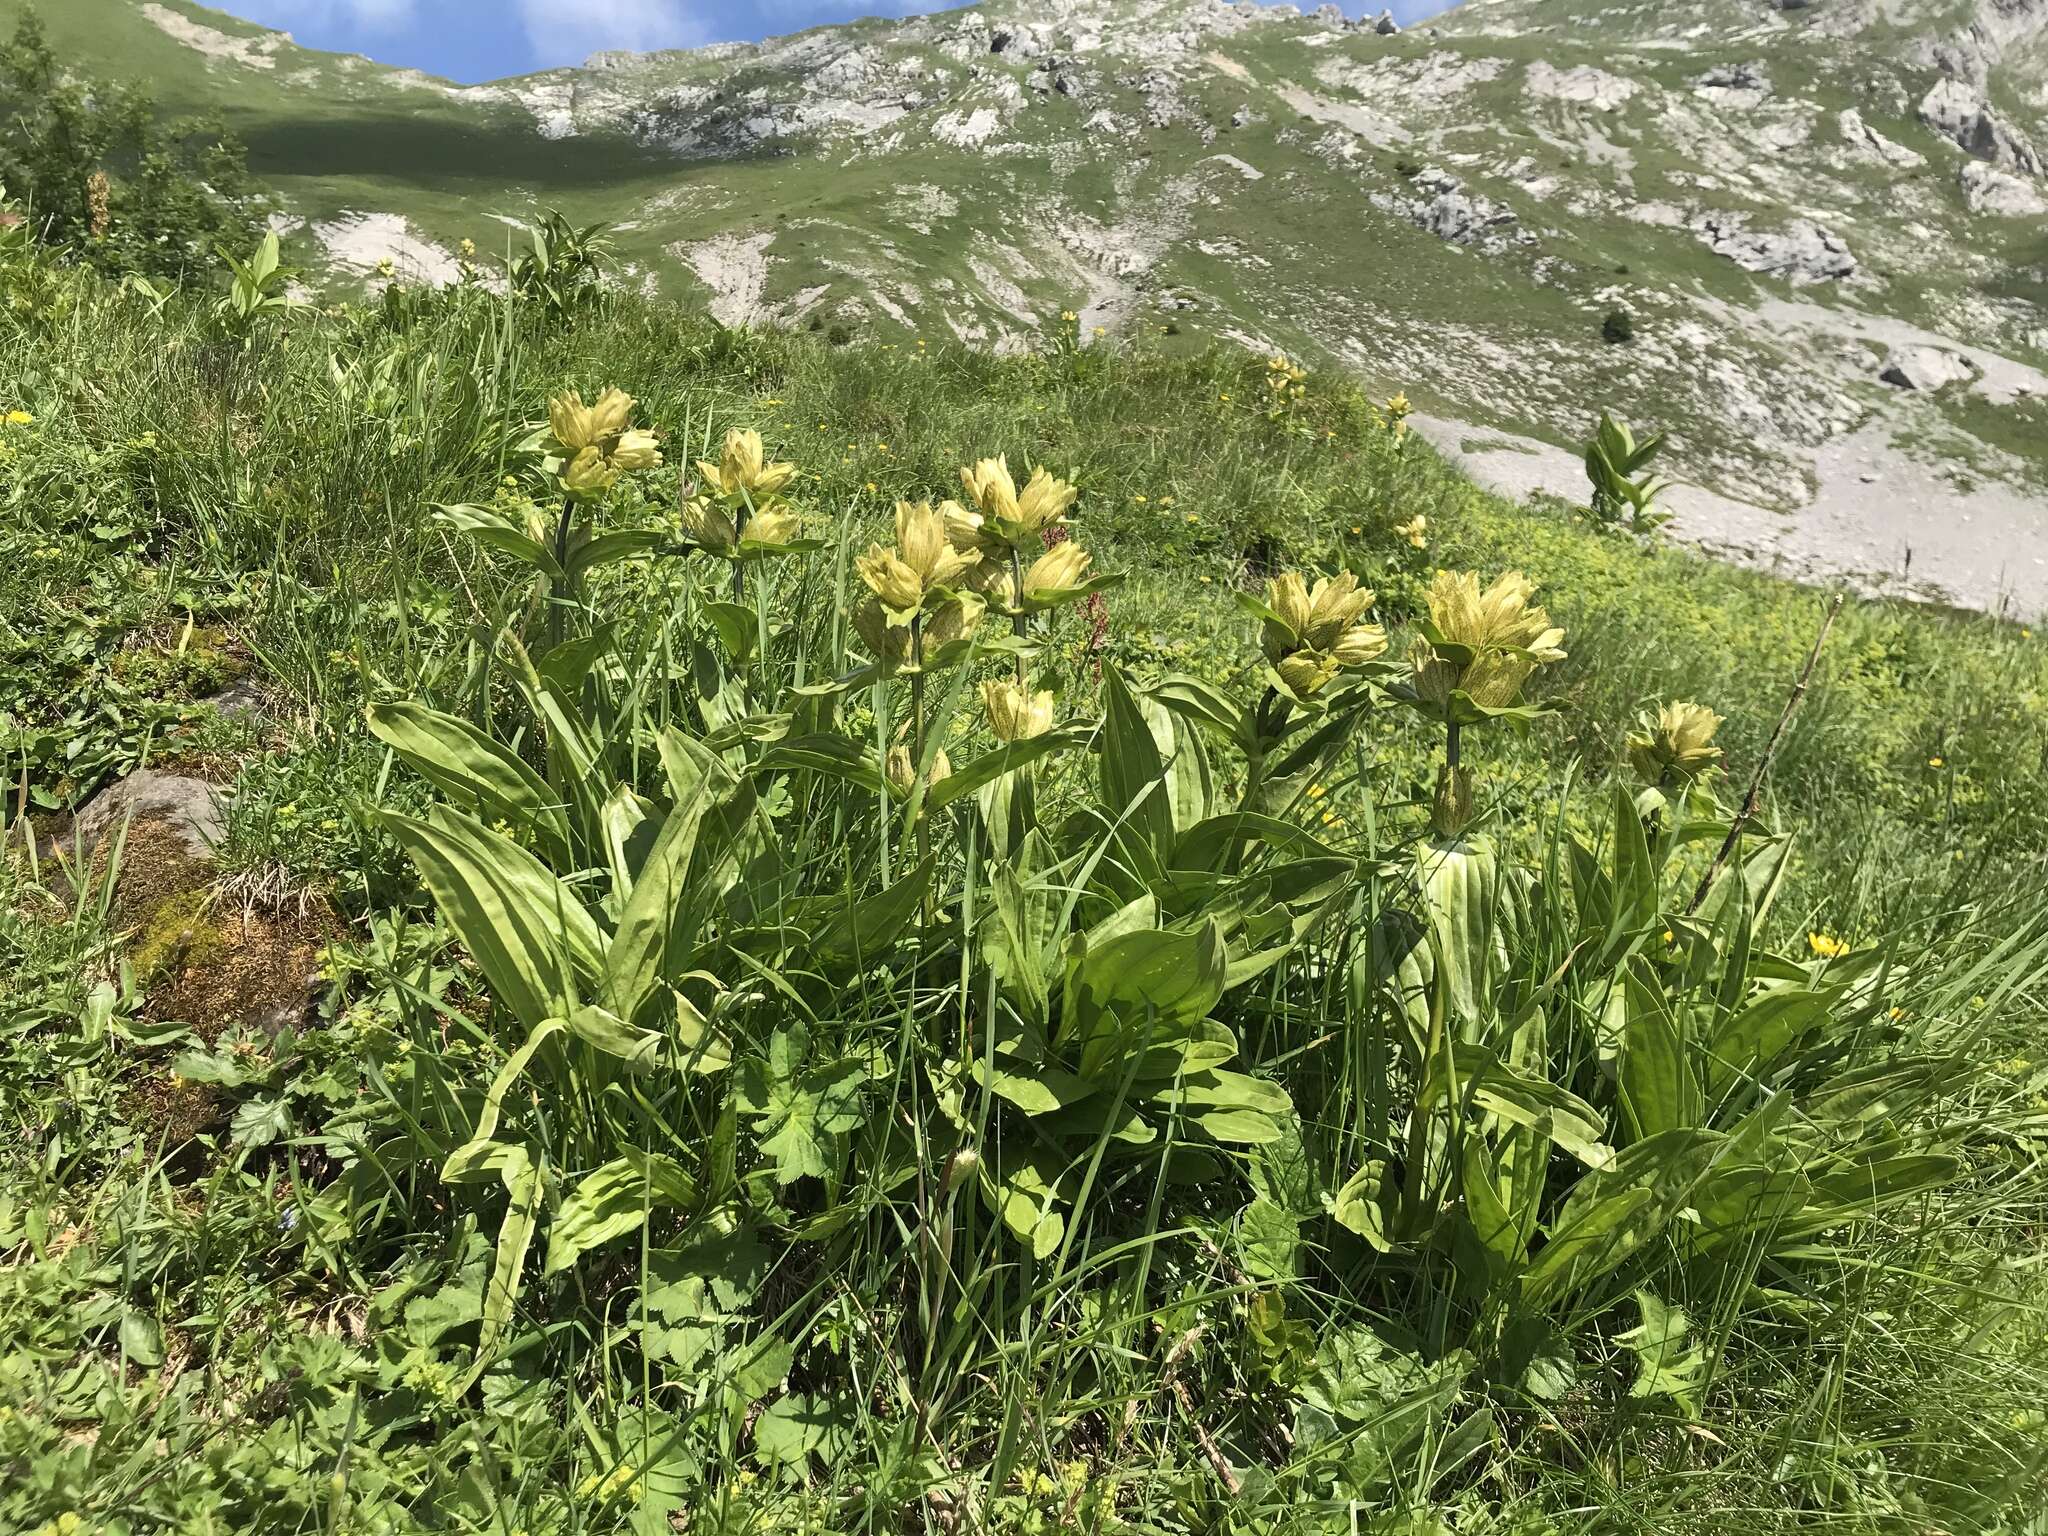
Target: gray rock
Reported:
[(1386, 26), (1735, 85), (1926, 368), (1863, 139), (1330, 15), (1955, 110), (1987, 189), (1454, 214), (1802, 251), (190, 808)]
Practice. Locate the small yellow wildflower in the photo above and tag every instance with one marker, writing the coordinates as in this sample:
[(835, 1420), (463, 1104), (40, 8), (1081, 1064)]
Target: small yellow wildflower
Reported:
[(1670, 937), (19, 418), (1069, 316), (1206, 580), (872, 486), (1317, 791), (1223, 397), (1934, 762), (1827, 946), (1140, 499)]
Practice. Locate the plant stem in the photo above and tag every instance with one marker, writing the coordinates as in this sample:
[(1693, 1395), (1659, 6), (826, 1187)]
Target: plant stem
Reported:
[(1018, 622), (1750, 801), (567, 592), (920, 782)]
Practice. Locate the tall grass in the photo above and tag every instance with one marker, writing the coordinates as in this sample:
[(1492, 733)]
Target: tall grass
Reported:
[(851, 1194)]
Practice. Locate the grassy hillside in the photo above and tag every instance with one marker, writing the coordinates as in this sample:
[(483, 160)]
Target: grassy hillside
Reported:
[(1456, 210), (704, 1119)]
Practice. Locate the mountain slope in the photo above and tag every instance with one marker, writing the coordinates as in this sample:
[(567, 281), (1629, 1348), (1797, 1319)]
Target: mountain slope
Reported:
[(1789, 200)]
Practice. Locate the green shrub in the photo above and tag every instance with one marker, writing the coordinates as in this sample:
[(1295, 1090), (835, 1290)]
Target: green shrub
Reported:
[(100, 173)]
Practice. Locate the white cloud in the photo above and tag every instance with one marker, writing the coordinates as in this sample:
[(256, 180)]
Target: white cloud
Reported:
[(569, 31)]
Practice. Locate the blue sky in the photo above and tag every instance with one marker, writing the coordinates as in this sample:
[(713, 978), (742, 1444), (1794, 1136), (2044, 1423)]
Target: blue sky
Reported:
[(471, 40)]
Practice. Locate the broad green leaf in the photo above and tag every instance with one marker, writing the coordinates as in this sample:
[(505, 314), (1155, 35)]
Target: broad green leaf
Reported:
[(610, 548), (1134, 767), (1734, 1204), (528, 932), (1269, 1236), (1460, 895), (490, 528), (1611, 1214), (1490, 1084), (991, 766), (515, 1168), (613, 1200), (467, 765), (1635, 875), (658, 928), (738, 626), (795, 1428), (1192, 699), (612, 1035), (1147, 980), (798, 1109), (857, 934), (1488, 1216), (1040, 1090), (1023, 1190), (1658, 1090), (1749, 1043), (1363, 1204), (1666, 1365), (1018, 936)]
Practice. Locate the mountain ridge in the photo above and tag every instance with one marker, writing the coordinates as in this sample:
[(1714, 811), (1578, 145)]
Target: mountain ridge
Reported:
[(1823, 220)]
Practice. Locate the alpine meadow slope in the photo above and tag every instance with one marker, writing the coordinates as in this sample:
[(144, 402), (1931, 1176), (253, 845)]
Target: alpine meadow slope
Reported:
[(1821, 228), (615, 922)]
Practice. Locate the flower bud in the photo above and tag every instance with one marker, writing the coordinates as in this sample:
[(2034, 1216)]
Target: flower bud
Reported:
[(636, 450), (961, 1167), (894, 582), (709, 526), (1450, 812), (588, 474), (1675, 745), (1015, 714), (1063, 566)]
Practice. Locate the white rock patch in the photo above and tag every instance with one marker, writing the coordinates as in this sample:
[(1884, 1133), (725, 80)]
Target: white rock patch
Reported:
[(361, 242), (735, 269), (1584, 86), (249, 52)]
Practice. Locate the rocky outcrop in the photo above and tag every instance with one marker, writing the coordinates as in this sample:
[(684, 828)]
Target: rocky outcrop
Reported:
[(1987, 189), (1583, 86), (1448, 210), (1802, 251), (1956, 111), (1866, 141), (1926, 368), (1743, 87)]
